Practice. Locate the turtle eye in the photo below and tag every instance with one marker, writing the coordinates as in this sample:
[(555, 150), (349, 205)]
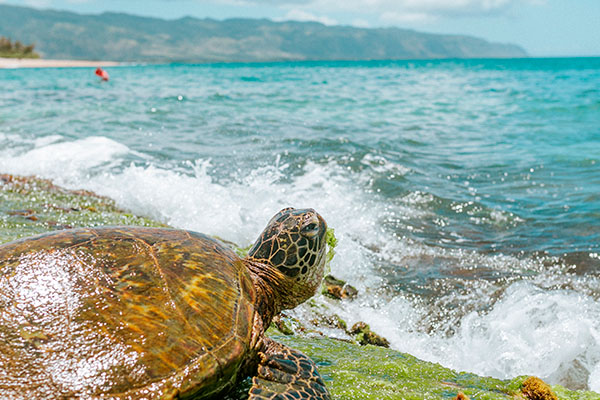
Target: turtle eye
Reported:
[(311, 229)]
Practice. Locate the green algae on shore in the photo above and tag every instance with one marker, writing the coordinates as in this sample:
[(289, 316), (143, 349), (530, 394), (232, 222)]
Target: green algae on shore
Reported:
[(30, 205), (354, 372)]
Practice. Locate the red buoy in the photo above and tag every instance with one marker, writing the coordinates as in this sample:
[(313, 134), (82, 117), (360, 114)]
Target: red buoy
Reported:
[(102, 74)]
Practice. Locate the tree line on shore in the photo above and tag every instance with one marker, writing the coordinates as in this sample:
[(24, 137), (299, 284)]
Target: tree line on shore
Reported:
[(17, 49)]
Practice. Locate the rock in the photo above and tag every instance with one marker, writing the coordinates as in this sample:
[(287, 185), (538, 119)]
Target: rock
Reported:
[(338, 289), (29, 206), (330, 321), (283, 325), (364, 335), (536, 389)]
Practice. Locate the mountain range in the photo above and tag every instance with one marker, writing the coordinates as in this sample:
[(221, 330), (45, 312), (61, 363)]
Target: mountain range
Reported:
[(124, 37)]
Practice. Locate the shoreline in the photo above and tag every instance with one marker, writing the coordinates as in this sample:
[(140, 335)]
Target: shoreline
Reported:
[(16, 63)]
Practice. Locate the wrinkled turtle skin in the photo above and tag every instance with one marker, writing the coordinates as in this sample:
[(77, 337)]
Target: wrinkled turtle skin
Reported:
[(132, 313)]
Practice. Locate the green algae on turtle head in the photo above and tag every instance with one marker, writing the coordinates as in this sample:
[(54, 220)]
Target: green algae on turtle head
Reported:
[(331, 244)]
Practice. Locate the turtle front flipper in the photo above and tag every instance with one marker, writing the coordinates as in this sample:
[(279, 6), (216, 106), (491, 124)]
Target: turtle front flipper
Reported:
[(286, 374)]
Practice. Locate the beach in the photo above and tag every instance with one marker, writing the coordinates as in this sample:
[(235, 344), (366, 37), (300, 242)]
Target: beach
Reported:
[(44, 63)]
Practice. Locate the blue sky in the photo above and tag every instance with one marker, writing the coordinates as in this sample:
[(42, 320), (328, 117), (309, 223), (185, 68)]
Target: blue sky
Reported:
[(542, 27)]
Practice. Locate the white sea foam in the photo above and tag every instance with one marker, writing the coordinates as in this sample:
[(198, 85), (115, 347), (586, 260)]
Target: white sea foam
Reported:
[(382, 165), (65, 162), (192, 199), (554, 334), (47, 140), (238, 210)]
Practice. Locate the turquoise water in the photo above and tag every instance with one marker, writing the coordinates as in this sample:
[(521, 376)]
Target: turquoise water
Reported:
[(465, 193)]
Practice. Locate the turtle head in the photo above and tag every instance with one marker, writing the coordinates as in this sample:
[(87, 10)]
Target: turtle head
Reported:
[(294, 244)]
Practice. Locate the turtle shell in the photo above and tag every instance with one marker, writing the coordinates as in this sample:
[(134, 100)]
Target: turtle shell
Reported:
[(122, 313)]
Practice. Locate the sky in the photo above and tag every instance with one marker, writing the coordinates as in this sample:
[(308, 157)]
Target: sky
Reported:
[(542, 27)]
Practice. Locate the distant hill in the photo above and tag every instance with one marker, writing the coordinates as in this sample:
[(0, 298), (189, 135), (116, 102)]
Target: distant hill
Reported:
[(123, 37)]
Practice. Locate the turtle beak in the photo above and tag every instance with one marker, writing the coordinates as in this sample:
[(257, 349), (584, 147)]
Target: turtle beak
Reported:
[(322, 226), (322, 222)]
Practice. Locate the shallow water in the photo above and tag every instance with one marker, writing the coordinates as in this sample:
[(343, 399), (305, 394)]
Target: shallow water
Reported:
[(464, 194)]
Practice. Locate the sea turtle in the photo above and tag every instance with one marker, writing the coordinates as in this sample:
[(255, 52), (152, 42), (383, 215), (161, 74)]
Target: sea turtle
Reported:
[(154, 313)]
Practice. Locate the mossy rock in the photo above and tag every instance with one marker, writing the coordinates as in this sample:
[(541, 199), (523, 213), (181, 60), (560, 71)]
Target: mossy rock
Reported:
[(29, 206), (364, 335), (338, 289), (354, 372)]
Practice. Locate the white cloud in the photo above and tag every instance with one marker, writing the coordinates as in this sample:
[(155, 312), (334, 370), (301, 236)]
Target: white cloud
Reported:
[(262, 2), (369, 13), (398, 10), (415, 8), (391, 17), (301, 15), (38, 3)]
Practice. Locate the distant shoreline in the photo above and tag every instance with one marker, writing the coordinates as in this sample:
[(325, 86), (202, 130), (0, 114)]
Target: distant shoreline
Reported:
[(15, 63)]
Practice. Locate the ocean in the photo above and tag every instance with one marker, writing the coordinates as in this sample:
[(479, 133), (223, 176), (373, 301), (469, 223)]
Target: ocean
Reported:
[(465, 194)]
